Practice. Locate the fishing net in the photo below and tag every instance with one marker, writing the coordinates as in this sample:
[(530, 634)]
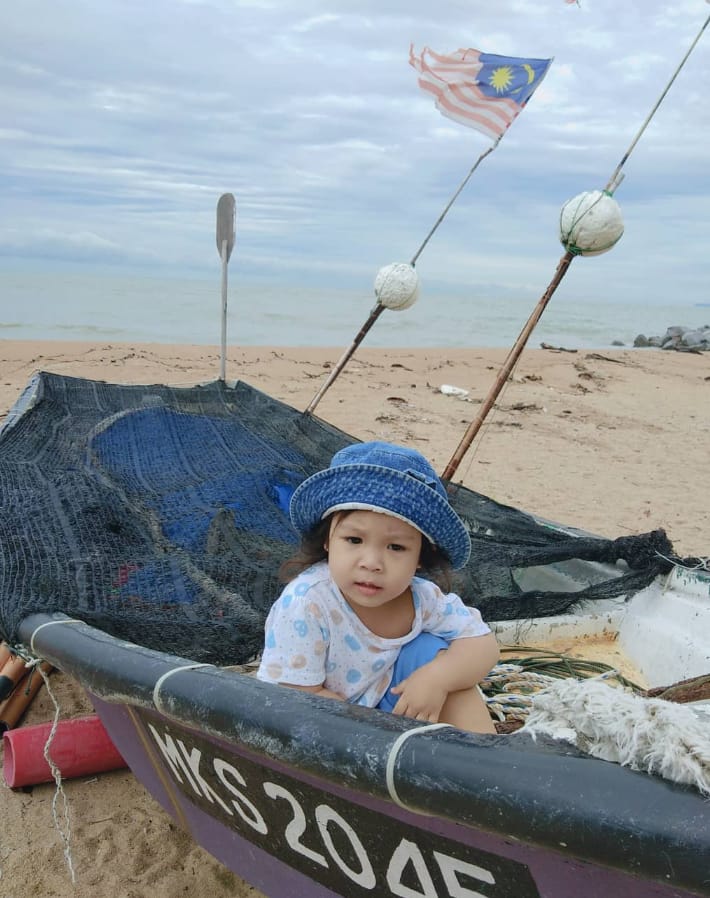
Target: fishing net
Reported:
[(160, 515)]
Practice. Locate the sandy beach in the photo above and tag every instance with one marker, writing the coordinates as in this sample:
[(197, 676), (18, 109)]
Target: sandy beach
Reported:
[(613, 441)]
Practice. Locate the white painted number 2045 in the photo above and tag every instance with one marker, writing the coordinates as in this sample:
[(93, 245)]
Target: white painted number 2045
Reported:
[(407, 854)]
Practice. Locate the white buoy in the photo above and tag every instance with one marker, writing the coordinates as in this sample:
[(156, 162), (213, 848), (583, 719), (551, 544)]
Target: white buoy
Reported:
[(397, 286), (590, 223)]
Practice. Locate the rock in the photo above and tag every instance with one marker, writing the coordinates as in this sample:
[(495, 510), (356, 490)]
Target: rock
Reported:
[(675, 331), (671, 343), (681, 339), (697, 339)]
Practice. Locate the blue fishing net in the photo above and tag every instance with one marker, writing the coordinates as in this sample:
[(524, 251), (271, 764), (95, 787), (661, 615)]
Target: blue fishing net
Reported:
[(160, 515)]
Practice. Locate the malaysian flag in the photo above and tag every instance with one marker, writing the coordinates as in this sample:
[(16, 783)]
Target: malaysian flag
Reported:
[(481, 90)]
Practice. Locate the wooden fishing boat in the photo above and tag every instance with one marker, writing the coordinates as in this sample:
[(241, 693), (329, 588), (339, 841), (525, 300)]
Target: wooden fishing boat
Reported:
[(117, 562), (140, 533)]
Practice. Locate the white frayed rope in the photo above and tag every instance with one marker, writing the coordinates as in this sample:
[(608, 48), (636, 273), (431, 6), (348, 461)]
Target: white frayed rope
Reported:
[(649, 734)]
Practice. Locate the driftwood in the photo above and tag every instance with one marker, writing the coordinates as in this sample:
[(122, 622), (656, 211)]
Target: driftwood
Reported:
[(694, 689), (556, 348)]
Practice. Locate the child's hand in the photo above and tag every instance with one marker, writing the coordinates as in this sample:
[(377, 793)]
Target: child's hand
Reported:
[(421, 696)]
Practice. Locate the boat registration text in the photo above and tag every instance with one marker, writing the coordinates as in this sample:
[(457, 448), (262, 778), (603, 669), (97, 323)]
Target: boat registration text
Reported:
[(348, 847)]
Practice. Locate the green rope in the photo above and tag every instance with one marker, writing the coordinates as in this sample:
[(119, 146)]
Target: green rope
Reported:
[(559, 665)]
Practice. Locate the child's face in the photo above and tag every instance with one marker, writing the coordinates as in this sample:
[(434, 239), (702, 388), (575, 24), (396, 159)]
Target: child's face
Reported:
[(372, 557)]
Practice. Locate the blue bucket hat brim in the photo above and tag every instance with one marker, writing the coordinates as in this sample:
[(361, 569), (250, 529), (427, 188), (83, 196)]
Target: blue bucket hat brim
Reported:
[(404, 494)]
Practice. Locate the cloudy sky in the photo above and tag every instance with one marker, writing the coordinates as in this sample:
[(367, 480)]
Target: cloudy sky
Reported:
[(122, 122)]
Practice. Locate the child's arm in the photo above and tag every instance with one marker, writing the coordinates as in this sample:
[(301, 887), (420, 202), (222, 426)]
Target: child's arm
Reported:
[(466, 661)]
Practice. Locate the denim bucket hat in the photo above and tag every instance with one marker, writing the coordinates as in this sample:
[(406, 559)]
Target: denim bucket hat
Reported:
[(391, 479)]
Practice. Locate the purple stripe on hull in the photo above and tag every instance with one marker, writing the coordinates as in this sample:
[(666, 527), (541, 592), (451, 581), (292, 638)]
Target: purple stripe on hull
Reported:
[(249, 812)]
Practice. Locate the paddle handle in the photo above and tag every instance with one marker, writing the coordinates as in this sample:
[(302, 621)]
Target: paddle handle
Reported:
[(223, 338)]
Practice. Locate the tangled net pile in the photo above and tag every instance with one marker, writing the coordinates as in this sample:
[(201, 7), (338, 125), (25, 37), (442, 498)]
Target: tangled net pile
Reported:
[(160, 515)]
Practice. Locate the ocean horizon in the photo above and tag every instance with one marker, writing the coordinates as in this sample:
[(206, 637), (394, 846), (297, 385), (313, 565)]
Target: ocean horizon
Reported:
[(93, 307)]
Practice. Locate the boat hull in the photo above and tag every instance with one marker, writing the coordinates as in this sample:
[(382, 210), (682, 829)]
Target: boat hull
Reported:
[(305, 797)]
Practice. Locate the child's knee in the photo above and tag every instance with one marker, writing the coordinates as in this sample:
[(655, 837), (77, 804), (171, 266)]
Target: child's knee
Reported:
[(415, 654)]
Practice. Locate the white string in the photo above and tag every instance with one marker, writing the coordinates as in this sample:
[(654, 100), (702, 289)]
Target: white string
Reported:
[(64, 829), (394, 752), (703, 563), (50, 623), (159, 682)]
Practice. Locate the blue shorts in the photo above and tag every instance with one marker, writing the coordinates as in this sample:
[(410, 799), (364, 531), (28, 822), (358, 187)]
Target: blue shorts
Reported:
[(415, 654)]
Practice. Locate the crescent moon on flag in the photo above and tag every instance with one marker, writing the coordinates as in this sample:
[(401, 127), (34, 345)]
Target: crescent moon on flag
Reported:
[(531, 72)]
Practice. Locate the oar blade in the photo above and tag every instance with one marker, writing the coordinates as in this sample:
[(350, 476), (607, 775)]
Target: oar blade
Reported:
[(226, 214)]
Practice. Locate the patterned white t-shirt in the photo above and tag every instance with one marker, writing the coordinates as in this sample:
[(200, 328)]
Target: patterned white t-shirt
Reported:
[(314, 637)]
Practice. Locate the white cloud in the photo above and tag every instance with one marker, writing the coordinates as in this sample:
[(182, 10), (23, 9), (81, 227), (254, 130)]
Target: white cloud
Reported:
[(124, 122)]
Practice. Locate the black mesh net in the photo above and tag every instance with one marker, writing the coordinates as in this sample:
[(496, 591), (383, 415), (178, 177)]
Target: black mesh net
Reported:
[(160, 515)]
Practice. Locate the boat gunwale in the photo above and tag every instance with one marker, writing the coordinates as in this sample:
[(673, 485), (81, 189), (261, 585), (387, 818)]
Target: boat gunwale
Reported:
[(498, 784)]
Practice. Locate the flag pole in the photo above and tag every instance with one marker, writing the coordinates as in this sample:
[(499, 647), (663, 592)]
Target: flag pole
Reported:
[(378, 308), (613, 181), (562, 268), (454, 198)]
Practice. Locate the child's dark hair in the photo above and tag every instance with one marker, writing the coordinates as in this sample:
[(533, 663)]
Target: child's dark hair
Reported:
[(433, 563)]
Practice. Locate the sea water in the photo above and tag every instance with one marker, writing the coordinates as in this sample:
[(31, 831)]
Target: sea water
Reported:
[(116, 308)]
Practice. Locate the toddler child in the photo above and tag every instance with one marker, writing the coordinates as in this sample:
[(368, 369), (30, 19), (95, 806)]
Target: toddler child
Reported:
[(357, 622)]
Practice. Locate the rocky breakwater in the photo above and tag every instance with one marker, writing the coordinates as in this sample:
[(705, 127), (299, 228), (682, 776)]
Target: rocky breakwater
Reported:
[(682, 339)]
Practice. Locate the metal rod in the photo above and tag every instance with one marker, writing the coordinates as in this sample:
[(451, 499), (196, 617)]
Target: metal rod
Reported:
[(453, 199), (612, 182), (378, 309)]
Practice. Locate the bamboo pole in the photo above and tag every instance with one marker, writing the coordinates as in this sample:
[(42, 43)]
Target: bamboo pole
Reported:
[(3, 704), (377, 310), (10, 675), (505, 371), (4, 654), (22, 696), (562, 267)]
